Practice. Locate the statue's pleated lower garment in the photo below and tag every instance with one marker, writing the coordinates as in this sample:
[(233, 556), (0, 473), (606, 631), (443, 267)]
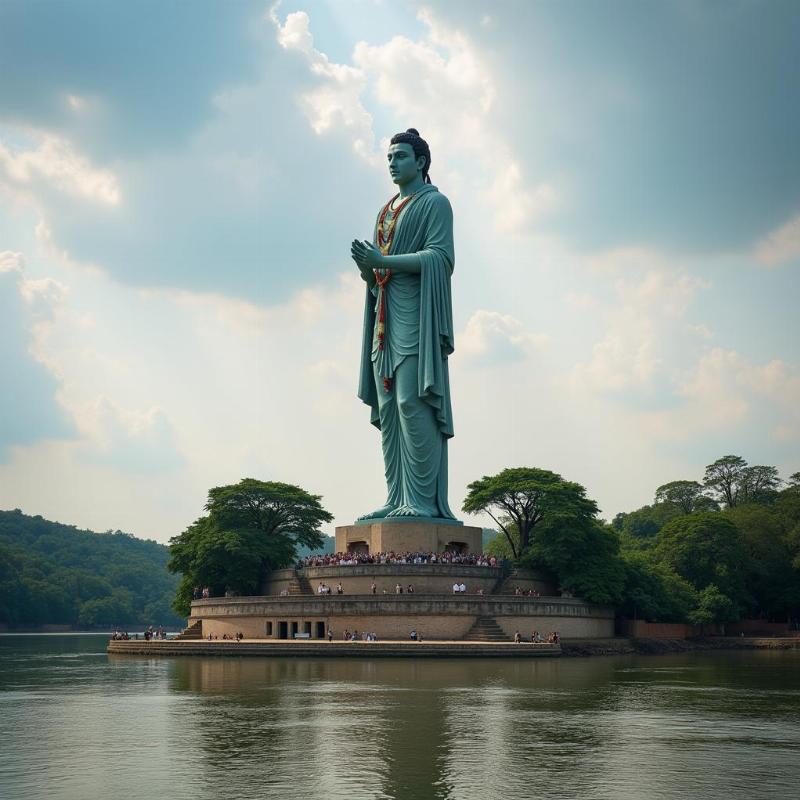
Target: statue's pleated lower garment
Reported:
[(414, 451)]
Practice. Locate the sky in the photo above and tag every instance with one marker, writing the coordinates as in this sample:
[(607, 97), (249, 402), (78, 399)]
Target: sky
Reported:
[(180, 182)]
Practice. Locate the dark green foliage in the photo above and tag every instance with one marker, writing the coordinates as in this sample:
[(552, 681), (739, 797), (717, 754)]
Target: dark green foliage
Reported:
[(645, 522), (722, 478), (685, 497), (654, 592), (736, 483), (713, 606), (252, 527), (770, 536), (748, 561), (703, 549), (583, 553), (497, 544), (526, 496), (569, 541), (54, 574)]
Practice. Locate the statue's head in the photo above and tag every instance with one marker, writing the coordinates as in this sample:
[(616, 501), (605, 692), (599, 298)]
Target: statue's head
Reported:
[(418, 150)]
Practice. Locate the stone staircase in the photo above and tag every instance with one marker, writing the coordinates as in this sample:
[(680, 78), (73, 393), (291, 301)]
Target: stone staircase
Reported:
[(502, 584), (486, 629), (194, 631), (299, 585), (509, 581)]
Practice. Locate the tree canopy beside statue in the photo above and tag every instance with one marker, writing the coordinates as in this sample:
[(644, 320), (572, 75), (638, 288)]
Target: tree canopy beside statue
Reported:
[(251, 528), (702, 552), (549, 523)]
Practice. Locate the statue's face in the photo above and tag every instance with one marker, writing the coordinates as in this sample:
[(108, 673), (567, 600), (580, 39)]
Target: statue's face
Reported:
[(403, 166)]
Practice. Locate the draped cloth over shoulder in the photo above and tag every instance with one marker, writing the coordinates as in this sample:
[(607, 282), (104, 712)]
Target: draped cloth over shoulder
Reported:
[(418, 328)]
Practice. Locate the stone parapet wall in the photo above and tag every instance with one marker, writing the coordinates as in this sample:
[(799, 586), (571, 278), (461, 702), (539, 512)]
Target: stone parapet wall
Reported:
[(425, 578), (393, 616), (527, 579), (418, 604)]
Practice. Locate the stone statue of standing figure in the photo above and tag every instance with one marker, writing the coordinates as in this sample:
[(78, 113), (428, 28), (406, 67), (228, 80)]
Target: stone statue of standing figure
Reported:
[(408, 334)]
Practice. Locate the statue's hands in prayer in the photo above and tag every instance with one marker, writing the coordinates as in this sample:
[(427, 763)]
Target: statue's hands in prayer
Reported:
[(366, 255)]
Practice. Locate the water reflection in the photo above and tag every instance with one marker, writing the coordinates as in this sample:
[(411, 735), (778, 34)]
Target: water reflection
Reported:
[(78, 724)]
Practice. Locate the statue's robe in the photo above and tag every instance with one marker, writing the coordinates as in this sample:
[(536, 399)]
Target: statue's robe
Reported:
[(415, 417)]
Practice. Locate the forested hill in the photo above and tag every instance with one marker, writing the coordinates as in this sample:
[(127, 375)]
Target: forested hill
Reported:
[(54, 574)]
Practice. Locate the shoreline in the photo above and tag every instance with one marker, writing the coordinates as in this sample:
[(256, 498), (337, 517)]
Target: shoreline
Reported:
[(576, 648), (279, 648), (570, 648)]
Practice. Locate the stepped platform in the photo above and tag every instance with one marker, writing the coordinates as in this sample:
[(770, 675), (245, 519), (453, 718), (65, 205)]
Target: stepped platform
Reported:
[(296, 609), (335, 649), (437, 617)]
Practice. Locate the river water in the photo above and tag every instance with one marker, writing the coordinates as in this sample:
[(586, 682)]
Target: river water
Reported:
[(77, 723)]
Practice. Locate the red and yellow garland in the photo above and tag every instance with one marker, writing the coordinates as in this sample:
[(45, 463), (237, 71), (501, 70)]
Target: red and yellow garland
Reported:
[(384, 245)]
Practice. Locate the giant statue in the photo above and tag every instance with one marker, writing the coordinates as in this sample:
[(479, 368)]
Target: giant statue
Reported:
[(408, 334)]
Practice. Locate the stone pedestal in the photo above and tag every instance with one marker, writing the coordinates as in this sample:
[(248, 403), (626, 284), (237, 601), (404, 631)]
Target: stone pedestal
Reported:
[(409, 535)]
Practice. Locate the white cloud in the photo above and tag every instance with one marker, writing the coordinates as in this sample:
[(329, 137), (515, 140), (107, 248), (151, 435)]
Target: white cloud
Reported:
[(56, 162), (128, 439), (494, 337), (337, 99), (724, 391), (11, 262), (642, 325), (75, 102), (446, 85), (780, 246)]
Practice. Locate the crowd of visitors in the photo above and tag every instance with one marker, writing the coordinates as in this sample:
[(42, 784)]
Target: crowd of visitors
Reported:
[(354, 559), (355, 636), (537, 638), (228, 637), (149, 634), (323, 588), (520, 592), (201, 593)]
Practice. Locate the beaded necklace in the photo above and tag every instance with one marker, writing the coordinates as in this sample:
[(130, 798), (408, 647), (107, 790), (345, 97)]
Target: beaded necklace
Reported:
[(385, 239)]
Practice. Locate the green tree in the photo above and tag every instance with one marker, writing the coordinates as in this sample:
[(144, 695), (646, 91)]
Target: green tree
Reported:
[(251, 528), (758, 484), (654, 592), (499, 545), (527, 496), (48, 571), (644, 523), (771, 579), (723, 477), (685, 496), (713, 606), (583, 554), (705, 548), (736, 483)]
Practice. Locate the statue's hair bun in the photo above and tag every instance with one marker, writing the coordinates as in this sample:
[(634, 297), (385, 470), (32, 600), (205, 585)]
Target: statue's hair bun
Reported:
[(414, 131)]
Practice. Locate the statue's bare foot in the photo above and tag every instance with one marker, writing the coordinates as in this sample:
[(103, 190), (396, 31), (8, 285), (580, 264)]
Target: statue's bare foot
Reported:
[(408, 511), (378, 513)]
